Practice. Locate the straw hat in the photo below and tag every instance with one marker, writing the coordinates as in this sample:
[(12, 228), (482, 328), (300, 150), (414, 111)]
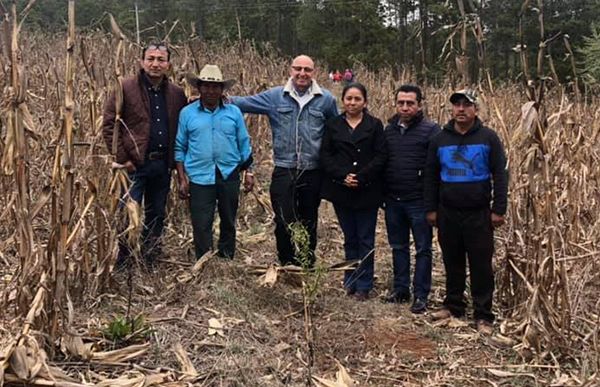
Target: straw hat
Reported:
[(210, 73)]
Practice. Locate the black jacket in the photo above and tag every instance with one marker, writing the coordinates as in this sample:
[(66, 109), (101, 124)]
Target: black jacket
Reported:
[(404, 171), (462, 169), (360, 151)]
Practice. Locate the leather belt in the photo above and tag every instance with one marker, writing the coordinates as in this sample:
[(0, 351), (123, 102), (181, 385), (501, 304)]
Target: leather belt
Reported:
[(157, 155)]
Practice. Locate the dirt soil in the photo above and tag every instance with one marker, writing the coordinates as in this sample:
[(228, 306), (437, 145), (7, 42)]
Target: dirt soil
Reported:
[(262, 341)]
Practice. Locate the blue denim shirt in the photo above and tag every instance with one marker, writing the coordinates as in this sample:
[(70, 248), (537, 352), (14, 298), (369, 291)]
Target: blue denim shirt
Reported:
[(297, 131), (208, 139)]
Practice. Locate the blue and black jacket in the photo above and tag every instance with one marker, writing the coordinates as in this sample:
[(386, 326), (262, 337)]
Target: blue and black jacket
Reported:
[(462, 170)]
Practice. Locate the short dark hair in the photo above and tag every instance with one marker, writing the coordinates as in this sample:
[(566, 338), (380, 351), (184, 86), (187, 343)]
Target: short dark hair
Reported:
[(410, 88), (355, 85), (161, 46)]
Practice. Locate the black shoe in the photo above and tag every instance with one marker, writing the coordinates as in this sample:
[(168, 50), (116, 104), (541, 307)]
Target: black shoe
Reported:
[(397, 298), (419, 306)]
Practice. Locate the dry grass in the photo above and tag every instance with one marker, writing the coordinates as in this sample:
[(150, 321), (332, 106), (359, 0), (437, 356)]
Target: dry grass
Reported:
[(547, 260)]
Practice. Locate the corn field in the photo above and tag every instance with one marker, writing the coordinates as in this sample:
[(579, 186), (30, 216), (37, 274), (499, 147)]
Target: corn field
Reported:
[(60, 215)]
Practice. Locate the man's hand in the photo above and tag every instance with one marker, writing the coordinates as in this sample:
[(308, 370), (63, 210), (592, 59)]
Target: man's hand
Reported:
[(129, 166), (351, 181), (248, 181), (497, 220), (184, 187), (431, 218)]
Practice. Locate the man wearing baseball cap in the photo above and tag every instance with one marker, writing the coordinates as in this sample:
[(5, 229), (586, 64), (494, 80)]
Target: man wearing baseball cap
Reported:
[(466, 185), (212, 147)]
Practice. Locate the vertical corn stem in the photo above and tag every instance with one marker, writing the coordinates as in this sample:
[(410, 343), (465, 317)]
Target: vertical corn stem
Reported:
[(20, 160), (68, 158)]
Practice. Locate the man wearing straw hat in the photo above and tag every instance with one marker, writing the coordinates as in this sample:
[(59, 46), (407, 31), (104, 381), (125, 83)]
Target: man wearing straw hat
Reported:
[(211, 149), (149, 115), (465, 172), (297, 113)]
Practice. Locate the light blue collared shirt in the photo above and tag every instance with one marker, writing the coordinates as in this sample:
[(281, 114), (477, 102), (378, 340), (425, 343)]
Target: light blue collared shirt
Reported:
[(208, 139)]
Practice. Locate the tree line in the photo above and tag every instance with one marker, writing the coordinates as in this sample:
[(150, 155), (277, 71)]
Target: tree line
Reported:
[(429, 37)]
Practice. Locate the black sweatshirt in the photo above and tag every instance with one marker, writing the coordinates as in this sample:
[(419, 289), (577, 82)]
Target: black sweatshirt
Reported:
[(462, 170)]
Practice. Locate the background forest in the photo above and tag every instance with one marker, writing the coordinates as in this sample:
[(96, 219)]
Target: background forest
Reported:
[(421, 35)]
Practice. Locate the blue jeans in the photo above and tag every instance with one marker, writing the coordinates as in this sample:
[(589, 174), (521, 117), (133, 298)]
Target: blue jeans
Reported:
[(402, 217), (358, 227), (151, 183)]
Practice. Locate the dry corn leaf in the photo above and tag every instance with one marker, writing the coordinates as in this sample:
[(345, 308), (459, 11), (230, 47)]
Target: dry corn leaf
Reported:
[(73, 345), (342, 379), (508, 374), (122, 354), (215, 327), (187, 367), (457, 323), (25, 362), (269, 278), (5, 358)]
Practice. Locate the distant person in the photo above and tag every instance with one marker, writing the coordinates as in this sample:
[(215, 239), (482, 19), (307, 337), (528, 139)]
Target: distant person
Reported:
[(352, 158), (211, 149), (149, 114), (466, 170), (330, 76), (348, 76), (337, 76), (297, 112), (407, 138)]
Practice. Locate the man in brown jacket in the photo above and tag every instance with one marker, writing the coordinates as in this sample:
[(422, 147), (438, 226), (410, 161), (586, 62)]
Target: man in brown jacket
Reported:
[(145, 140)]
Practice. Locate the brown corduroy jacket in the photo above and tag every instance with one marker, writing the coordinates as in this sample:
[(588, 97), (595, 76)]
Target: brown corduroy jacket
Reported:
[(134, 131)]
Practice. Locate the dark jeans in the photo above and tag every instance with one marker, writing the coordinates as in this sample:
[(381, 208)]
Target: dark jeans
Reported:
[(358, 227), (467, 234), (402, 217), (295, 197), (150, 187), (203, 199)]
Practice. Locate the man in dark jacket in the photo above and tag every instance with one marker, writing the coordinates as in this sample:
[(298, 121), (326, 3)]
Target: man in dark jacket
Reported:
[(466, 170), (145, 135), (407, 138)]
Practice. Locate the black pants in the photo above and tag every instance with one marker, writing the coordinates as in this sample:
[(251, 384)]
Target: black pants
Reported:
[(150, 187), (295, 197), (467, 234), (203, 199)]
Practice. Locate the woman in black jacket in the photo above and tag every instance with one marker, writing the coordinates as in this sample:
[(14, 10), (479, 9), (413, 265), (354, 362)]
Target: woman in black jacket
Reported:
[(352, 159)]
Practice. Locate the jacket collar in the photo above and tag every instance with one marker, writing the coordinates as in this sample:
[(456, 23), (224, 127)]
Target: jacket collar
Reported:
[(395, 120), (313, 90), (145, 81)]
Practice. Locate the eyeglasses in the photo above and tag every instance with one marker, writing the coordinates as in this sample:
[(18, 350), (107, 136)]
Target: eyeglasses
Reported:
[(157, 46), (300, 68)]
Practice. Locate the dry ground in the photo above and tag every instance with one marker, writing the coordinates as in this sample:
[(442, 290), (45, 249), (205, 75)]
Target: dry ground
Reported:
[(263, 342)]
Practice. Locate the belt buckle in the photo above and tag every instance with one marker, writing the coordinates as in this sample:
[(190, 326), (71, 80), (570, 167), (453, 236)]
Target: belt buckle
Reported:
[(156, 155)]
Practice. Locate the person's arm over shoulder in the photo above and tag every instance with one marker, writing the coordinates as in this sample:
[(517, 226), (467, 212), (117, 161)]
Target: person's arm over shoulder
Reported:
[(499, 170), (108, 128), (243, 138), (261, 103), (375, 166), (331, 109), (432, 176)]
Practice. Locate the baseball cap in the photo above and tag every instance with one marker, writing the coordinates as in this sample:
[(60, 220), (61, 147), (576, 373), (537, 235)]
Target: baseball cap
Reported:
[(468, 94)]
